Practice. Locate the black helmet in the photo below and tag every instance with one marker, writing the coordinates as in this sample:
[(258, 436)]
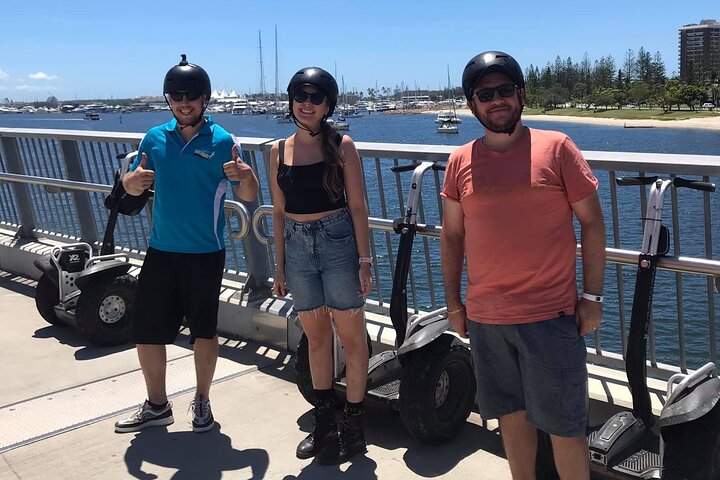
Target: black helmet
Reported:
[(186, 77), (488, 62), (318, 78)]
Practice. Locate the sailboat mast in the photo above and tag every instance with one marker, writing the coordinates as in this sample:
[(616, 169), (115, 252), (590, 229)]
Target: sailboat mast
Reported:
[(277, 85), (262, 71), (451, 97)]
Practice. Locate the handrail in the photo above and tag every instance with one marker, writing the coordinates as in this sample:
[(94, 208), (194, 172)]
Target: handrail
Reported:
[(235, 207), (381, 224), (239, 209), (613, 255), (91, 156)]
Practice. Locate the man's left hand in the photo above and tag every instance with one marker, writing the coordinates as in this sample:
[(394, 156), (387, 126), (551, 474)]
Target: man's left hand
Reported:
[(588, 316), (236, 170)]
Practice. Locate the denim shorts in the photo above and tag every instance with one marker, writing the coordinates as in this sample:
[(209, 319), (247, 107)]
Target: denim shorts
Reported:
[(537, 367), (321, 263)]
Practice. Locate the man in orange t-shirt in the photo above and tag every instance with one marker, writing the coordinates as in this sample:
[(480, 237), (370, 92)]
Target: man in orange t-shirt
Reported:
[(509, 200)]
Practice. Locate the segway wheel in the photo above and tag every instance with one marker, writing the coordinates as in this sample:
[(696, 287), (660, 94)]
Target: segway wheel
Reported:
[(303, 377), (104, 310), (437, 392), (46, 298)]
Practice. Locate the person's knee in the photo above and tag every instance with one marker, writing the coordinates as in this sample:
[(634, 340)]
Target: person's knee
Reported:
[(317, 328)]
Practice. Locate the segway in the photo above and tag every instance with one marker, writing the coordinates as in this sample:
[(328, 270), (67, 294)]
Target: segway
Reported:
[(429, 376), (93, 293), (688, 445)]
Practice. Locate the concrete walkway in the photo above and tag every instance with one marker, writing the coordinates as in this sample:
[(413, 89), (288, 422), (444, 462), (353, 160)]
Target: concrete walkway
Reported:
[(61, 396)]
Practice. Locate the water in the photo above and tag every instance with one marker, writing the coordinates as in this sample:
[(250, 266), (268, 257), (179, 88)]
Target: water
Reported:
[(401, 129), (420, 129)]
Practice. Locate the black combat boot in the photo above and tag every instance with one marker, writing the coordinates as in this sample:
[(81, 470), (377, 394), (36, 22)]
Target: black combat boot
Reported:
[(325, 427), (350, 440)]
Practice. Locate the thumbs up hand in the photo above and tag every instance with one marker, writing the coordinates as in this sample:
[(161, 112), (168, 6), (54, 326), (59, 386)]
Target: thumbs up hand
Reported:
[(236, 170), (140, 179)]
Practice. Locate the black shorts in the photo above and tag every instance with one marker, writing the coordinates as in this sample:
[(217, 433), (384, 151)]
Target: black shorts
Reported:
[(176, 285)]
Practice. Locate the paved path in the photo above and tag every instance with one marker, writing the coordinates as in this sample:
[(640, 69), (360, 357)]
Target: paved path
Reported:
[(61, 396)]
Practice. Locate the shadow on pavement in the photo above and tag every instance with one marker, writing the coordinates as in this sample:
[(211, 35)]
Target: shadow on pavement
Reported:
[(384, 429), (360, 468), (193, 455)]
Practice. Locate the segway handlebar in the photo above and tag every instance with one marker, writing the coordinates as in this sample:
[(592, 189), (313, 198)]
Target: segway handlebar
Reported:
[(437, 166), (677, 182), (693, 184), (623, 181)]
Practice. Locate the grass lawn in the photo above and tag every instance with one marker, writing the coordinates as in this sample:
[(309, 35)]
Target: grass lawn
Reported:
[(625, 113)]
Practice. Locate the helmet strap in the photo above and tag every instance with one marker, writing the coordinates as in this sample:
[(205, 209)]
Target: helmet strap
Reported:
[(200, 119), (508, 130), (302, 126)]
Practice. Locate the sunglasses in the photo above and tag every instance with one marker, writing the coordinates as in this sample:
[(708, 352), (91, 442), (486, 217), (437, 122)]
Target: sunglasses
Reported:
[(190, 96), (301, 96), (505, 90)]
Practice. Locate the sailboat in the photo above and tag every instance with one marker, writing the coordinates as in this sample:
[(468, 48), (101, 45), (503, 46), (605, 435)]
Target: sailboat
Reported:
[(448, 122)]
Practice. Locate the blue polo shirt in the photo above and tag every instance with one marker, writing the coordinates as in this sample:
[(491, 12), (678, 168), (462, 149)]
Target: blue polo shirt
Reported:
[(190, 187)]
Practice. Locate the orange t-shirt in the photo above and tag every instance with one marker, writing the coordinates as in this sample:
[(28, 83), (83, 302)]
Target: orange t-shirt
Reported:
[(519, 237)]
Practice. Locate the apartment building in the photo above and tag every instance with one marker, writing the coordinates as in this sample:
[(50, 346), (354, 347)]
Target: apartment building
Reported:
[(699, 46)]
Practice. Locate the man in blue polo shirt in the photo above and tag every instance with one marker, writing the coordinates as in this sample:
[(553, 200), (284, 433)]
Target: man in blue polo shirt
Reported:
[(191, 160)]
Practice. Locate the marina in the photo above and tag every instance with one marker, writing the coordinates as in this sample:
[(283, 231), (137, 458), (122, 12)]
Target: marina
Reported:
[(52, 183)]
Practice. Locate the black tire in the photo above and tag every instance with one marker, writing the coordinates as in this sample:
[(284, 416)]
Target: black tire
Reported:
[(105, 309), (437, 392), (303, 377), (46, 298)]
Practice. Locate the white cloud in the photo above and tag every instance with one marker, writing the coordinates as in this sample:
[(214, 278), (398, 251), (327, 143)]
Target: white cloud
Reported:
[(41, 76), (35, 88), (3, 74)]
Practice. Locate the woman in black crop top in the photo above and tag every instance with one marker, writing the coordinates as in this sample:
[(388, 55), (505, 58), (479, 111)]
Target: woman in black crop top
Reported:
[(320, 222)]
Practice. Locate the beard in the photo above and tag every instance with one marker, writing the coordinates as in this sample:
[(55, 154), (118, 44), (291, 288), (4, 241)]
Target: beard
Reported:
[(507, 126), (194, 120)]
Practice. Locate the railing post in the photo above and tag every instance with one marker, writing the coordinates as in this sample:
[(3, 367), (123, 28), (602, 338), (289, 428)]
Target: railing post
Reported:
[(71, 157), (11, 154), (256, 257)]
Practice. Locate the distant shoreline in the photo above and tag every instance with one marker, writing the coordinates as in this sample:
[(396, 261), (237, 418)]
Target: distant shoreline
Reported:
[(706, 123)]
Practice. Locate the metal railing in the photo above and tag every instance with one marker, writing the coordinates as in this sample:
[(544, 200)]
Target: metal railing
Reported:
[(683, 335)]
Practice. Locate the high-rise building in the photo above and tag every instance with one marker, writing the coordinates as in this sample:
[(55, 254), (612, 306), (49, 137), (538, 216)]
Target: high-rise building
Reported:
[(700, 51)]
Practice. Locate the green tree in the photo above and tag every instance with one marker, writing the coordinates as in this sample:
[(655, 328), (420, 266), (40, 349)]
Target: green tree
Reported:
[(644, 66), (639, 93), (580, 93), (629, 68)]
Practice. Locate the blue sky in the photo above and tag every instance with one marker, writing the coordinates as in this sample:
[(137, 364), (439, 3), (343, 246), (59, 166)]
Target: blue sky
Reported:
[(80, 49)]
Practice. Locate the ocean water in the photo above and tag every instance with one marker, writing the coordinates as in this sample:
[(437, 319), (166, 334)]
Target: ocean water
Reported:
[(420, 129), (402, 129)]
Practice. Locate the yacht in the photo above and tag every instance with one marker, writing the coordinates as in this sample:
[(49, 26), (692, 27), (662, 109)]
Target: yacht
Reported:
[(447, 127), (447, 116)]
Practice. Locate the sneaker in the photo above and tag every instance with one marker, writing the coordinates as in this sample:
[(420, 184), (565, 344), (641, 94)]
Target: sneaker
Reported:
[(146, 416), (202, 415)]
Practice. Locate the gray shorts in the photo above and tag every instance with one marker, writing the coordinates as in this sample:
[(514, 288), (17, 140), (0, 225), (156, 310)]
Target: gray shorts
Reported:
[(537, 367)]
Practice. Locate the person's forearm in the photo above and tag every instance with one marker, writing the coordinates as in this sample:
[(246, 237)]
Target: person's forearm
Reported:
[(592, 241), (361, 227), (279, 239), (247, 189), (452, 258)]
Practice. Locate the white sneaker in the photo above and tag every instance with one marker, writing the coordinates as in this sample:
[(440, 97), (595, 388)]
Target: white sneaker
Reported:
[(146, 416), (202, 415)]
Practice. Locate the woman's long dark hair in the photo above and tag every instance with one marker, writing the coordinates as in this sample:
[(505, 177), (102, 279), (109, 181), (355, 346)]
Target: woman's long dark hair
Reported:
[(330, 147)]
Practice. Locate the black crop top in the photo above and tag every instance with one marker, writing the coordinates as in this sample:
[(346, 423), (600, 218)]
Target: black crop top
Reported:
[(303, 187)]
